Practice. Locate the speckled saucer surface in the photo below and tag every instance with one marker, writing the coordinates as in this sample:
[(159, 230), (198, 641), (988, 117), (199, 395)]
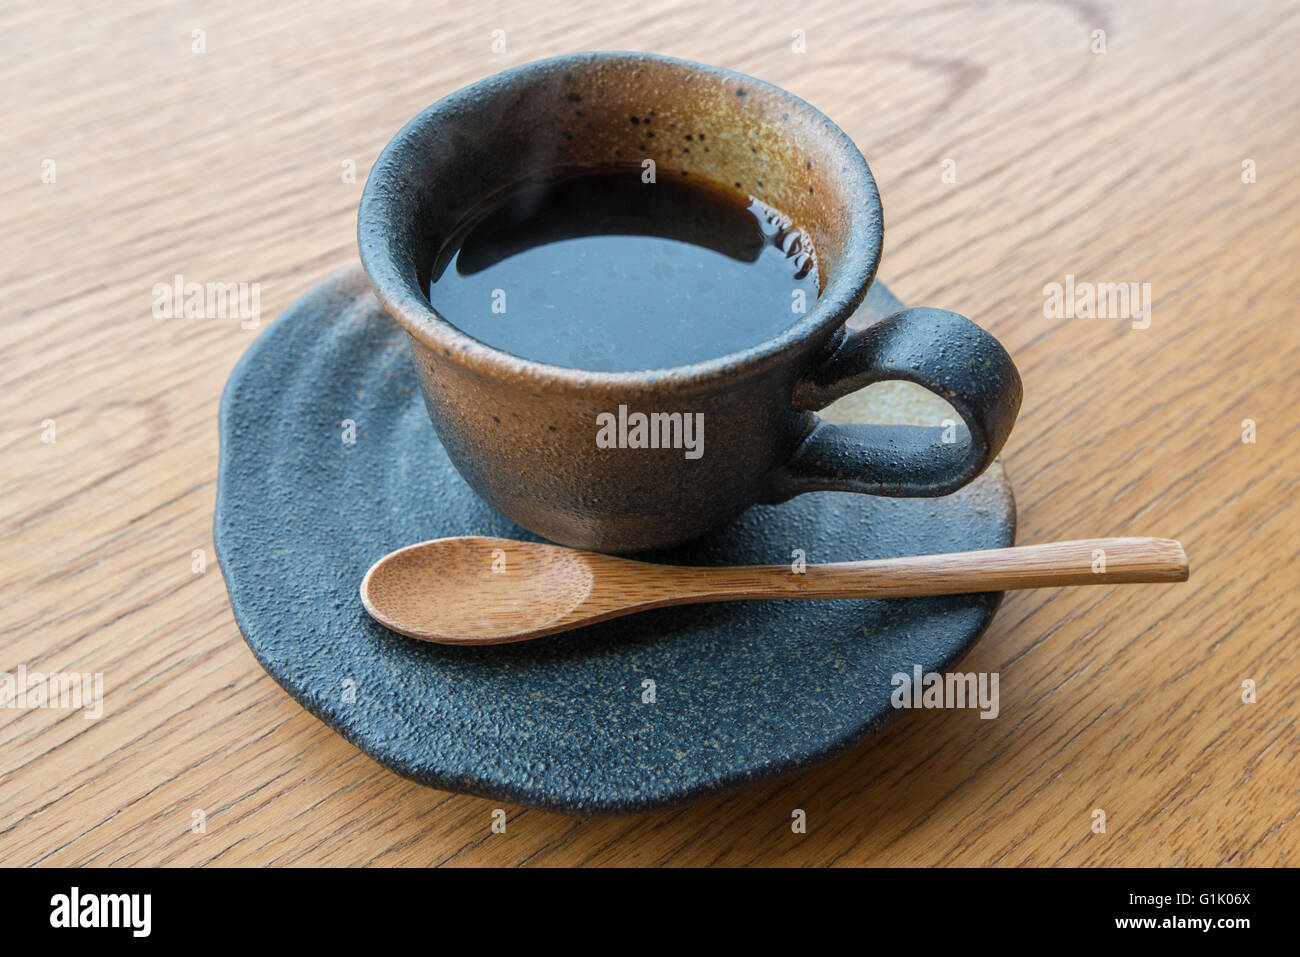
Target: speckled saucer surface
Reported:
[(743, 691)]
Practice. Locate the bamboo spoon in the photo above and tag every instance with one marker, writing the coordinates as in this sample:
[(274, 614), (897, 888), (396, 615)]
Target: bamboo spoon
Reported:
[(484, 591)]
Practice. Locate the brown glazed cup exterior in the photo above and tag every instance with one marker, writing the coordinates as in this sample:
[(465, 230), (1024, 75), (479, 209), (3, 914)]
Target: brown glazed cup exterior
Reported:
[(523, 433)]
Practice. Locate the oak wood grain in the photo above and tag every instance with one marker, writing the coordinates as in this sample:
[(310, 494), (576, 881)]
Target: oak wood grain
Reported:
[(230, 165)]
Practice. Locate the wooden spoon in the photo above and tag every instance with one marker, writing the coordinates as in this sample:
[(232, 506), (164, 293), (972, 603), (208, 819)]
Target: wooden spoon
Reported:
[(483, 591)]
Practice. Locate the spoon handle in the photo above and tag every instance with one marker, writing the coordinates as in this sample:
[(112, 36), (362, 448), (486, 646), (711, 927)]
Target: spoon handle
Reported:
[(1097, 561)]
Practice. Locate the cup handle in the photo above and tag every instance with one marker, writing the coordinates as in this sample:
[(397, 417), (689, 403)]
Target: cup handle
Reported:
[(942, 351)]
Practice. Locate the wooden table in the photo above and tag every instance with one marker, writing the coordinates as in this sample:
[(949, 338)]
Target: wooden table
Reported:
[(230, 165)]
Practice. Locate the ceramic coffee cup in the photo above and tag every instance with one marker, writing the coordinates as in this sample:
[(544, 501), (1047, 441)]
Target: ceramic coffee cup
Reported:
[(524, 434)]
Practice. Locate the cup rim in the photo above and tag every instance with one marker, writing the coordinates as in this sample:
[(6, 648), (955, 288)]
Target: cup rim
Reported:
[(410, 307)]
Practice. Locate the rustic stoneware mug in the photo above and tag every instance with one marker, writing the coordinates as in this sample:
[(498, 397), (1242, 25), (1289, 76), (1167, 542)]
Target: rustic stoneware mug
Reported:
[(523, 433)]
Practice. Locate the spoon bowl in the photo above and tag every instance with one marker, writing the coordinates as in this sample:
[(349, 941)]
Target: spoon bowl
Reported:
[(487, 589)]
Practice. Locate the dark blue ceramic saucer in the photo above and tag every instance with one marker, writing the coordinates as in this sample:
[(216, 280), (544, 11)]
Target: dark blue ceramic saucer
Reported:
[(742, 691)]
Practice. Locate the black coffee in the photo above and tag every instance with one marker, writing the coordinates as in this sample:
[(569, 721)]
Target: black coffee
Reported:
[(603, 271)]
